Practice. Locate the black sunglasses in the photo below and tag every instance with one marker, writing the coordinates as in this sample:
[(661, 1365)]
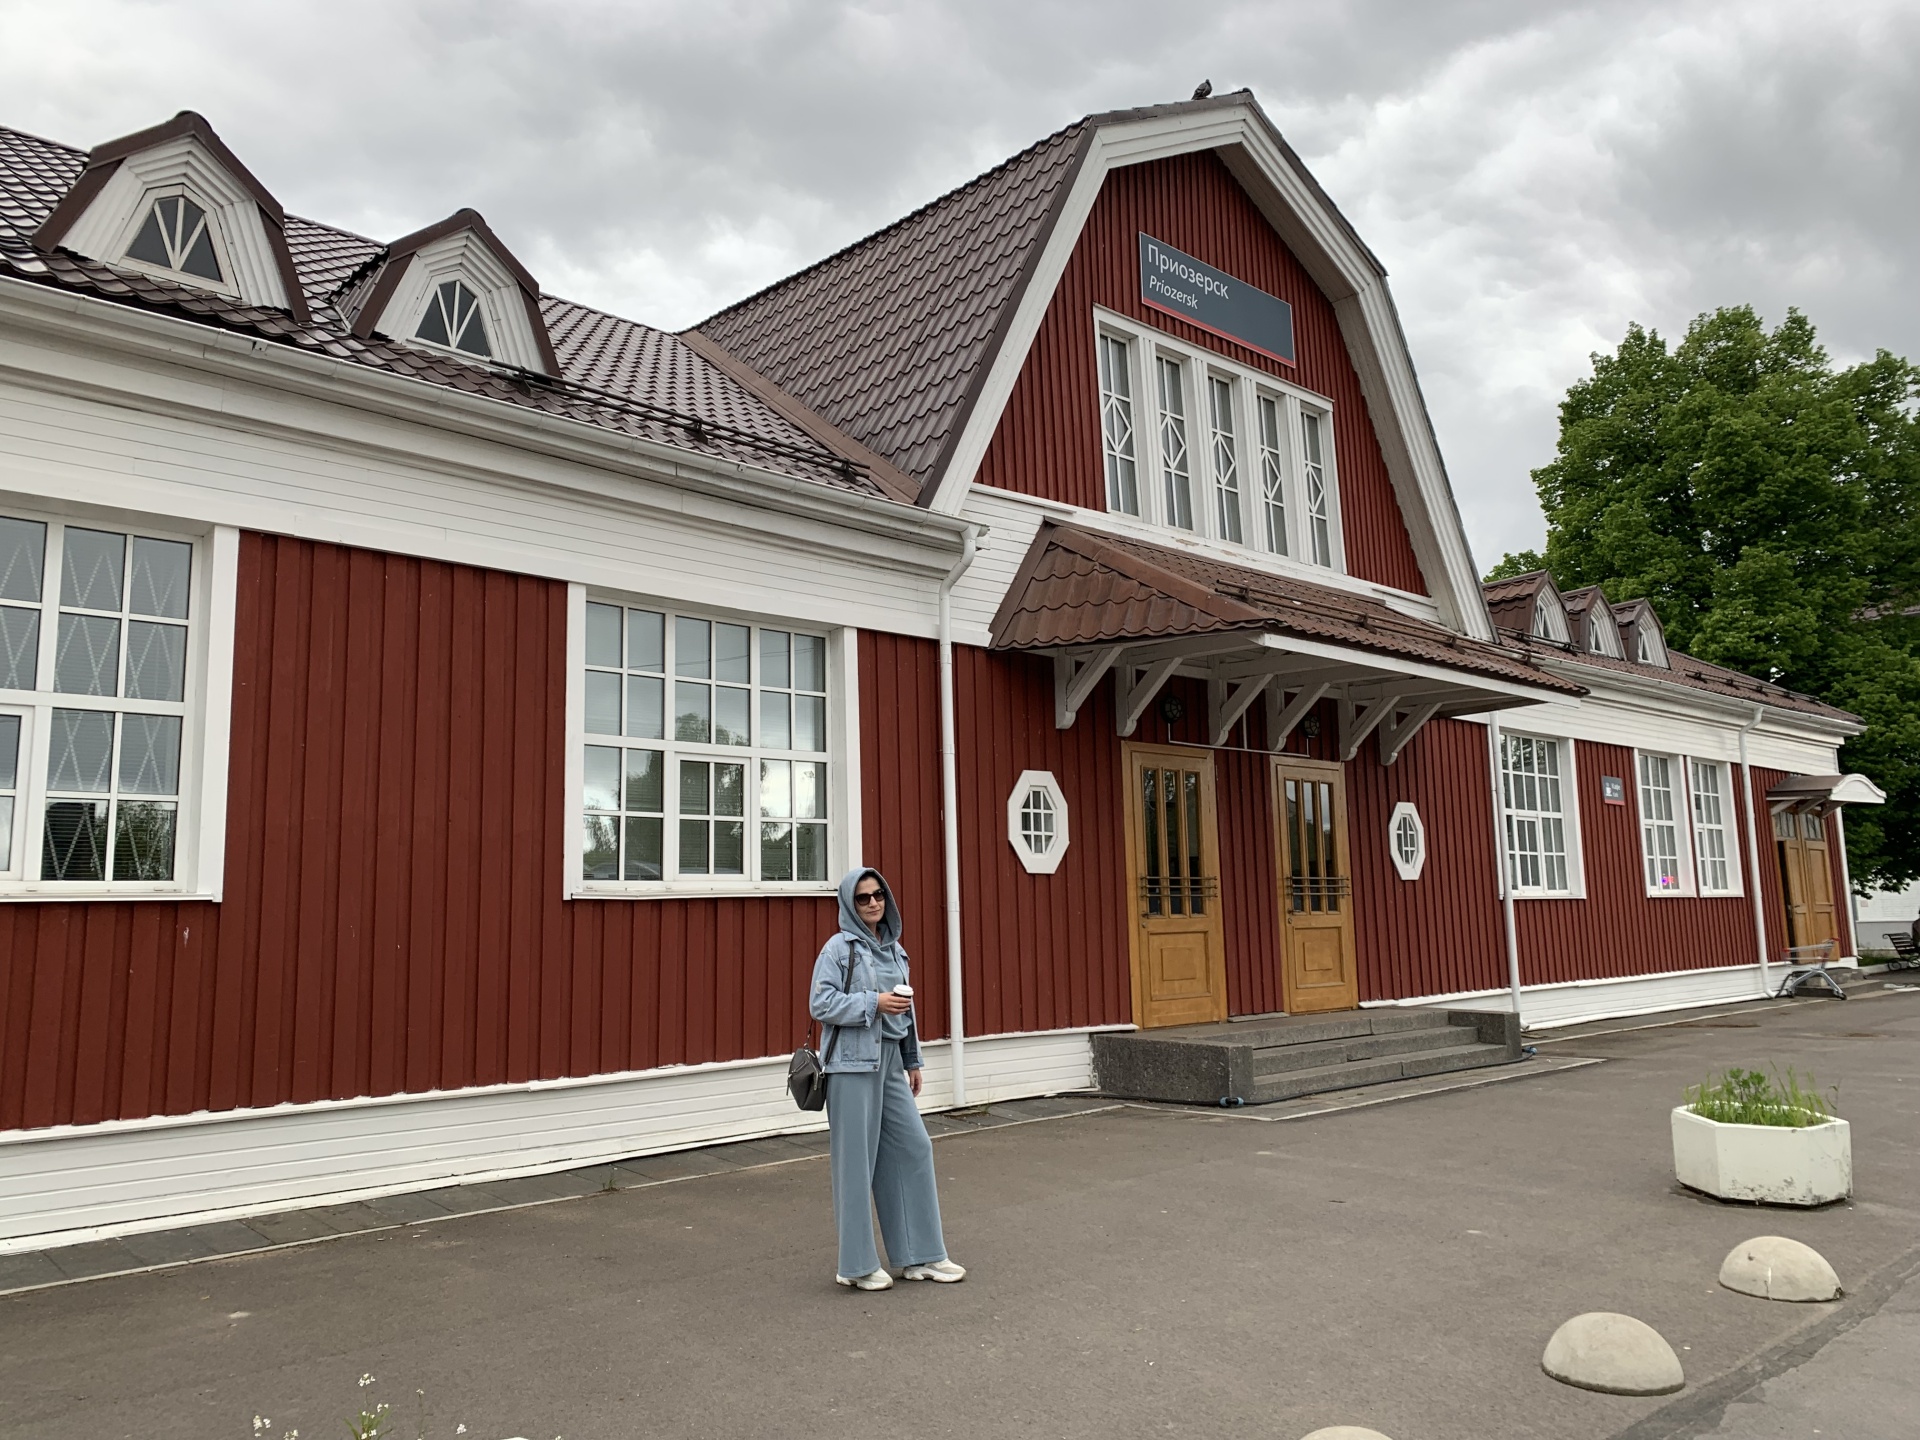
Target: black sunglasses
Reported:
[(868, 897)]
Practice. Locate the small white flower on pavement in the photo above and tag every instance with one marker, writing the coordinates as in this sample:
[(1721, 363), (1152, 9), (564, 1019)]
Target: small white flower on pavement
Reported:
[(365, 1380)]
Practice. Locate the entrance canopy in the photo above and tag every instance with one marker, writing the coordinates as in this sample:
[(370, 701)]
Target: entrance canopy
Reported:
[(1099, 603), (1823, 793)]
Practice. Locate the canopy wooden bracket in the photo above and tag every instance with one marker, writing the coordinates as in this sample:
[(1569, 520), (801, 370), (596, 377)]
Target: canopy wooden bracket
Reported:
[(1073, 680), (1356, 724), (1225, 707), (1284, 714), (1135, 696), (1400, 729)]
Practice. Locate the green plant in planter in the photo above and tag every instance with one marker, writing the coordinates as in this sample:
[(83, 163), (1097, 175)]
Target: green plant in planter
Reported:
[(1748, 1097)]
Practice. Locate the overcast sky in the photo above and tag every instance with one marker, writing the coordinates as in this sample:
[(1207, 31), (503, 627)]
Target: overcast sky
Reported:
[(1533, 176)]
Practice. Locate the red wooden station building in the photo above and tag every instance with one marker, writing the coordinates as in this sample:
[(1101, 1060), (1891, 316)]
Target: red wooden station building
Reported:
[(434, 713)]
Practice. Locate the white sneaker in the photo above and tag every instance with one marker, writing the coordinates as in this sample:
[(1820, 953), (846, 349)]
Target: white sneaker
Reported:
[(944, 1271), (878, 1280)]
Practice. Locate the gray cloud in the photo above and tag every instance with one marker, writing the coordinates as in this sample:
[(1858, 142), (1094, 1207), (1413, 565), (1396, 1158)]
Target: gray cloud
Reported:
[(1533, 178)]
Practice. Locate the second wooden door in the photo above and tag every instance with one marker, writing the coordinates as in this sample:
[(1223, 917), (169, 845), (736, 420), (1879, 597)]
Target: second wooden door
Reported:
[(1316, 894)]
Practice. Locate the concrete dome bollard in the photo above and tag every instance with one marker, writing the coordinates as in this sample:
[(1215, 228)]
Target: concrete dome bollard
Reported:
[(1614, 1354), (1776, 1268), (1345, 1432)]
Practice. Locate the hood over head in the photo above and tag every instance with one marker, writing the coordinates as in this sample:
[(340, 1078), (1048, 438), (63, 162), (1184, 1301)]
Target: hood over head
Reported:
[(850, 923)]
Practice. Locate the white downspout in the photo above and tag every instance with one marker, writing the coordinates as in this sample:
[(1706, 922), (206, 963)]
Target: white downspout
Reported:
[(1502, 860), (1753, 856), (950, 827)]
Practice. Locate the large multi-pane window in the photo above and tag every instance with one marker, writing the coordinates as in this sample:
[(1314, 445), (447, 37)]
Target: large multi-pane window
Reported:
[(1116, 425), (1175, 456), (705, 749), (1660, 823), (1233, 454), (1712, 850), (1534, 798), (95, 630)]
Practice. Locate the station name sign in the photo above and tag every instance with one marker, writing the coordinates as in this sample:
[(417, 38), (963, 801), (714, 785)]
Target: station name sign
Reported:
[(1175, 283)]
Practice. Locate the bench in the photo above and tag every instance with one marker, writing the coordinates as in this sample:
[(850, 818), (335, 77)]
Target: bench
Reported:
[(1906, 954)]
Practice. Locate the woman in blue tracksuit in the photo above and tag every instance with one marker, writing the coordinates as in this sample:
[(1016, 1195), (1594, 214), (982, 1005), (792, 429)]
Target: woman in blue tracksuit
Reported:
[(881, 1152)]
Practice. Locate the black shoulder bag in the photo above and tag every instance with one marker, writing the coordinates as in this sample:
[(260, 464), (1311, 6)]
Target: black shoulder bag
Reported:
[(806, 1072)]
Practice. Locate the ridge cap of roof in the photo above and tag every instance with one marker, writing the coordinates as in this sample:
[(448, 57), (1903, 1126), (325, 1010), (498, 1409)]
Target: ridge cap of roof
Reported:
[(884, 473), (854, 245), (187, 122)]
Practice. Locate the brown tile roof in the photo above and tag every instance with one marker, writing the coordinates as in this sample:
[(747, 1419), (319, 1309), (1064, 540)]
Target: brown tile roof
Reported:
[(887, 337), (1076, 587), (1511, 601), (891, 338), (1686, 671), (616, 375)]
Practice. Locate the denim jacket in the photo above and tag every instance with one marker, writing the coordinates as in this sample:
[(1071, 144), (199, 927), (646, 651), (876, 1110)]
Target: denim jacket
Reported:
[(852, 1012)]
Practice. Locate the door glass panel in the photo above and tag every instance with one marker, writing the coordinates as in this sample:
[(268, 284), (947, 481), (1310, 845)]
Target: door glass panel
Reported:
[(1326, 846), (1150, 830), (1195, 891), (1170, 796), (1296, 891)]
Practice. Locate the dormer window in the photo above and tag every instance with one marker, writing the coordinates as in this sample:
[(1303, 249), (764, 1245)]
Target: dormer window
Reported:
[(453, 319), (1596, 639), (1549, 619), (176, 236)]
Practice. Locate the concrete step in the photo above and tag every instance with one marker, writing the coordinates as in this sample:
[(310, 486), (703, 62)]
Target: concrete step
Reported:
[(1273, 1059), (1318, 1029), (1289, 1084)]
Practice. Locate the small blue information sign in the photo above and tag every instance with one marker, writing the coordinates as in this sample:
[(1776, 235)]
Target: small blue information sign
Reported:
[(1177, 284)]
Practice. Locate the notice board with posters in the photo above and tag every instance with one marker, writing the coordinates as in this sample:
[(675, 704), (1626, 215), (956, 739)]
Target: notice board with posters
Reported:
[(1175, 283)]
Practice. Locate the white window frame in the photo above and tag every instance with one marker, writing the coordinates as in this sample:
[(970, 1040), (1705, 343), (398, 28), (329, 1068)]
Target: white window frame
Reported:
[(216, 237), (1681, 821), (1407, 815), (205, 711), (842, 757), (1118, 407), (1727, 826), (1567, 763), (1199, 367), (1030, 784)]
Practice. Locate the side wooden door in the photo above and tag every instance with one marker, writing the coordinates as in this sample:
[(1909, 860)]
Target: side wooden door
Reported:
[(1178, 951), (1806, 877), (1316, 892)]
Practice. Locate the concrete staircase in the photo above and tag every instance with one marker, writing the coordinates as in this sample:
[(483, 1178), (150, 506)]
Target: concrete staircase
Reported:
[(1283, 1056)]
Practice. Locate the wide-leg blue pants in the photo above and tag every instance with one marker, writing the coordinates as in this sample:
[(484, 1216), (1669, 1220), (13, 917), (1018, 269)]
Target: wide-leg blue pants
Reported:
[(881, 1150)]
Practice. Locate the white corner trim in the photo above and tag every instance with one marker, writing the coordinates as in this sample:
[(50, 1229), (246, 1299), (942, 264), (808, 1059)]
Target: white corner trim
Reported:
[(216, 711), (1047, 861), (847, 845), (68, 1184)]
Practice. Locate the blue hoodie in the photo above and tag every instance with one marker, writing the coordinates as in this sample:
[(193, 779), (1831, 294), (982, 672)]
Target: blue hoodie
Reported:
[(845, 995)]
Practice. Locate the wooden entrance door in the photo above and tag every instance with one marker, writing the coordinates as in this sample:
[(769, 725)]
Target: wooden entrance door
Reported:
[(1316, 893), (1178, 956), (1806, 877)]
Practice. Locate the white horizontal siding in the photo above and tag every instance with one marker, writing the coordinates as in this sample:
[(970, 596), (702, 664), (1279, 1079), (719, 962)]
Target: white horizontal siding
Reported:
[(1609, 721), (67, 1184), (1571, 1002), (265, 460)]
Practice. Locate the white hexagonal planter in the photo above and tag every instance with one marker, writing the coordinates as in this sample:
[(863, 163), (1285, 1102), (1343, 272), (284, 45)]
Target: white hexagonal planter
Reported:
[(1771, 1164)]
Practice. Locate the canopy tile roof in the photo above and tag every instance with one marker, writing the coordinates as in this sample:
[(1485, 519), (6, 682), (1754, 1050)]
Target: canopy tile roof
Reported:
[(1076, 587), (616, 374)]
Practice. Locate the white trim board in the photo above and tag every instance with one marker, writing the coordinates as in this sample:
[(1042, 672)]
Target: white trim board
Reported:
[(1572, 1002), (73, 1183)]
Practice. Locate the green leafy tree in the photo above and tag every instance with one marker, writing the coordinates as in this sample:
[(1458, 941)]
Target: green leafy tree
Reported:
[(1768, 504)]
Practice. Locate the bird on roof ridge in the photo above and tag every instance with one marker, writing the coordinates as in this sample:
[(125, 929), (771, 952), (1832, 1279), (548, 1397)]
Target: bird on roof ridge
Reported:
[(1203, 90)]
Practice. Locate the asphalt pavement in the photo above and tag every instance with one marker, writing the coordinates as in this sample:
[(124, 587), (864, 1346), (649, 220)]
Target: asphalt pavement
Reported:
[(1135, 1271)]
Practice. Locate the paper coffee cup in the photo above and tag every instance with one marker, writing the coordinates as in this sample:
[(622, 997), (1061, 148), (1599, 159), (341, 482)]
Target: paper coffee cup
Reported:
[(903, 989)]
